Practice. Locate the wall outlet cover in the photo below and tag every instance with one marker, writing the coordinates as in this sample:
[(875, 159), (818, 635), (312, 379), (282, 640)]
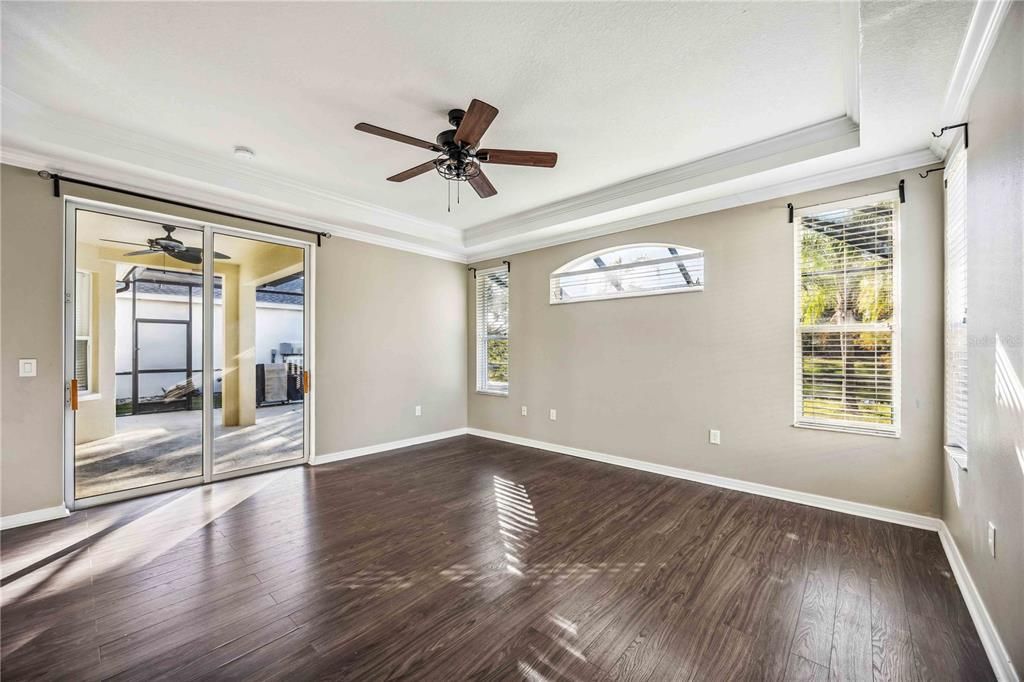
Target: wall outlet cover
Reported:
[(553, 415), (419, 410), (715, 437), (523, 410)]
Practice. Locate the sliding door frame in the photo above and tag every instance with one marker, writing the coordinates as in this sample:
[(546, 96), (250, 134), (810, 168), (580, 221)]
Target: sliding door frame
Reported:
[(74, 204)]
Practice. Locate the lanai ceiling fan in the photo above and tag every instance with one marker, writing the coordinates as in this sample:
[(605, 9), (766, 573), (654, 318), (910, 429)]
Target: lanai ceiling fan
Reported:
[(459, 158), (170, 246)]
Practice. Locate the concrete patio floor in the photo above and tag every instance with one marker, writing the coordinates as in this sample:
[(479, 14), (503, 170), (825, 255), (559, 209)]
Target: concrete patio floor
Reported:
[(157, 448)]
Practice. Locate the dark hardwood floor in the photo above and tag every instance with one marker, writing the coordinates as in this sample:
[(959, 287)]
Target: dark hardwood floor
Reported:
[(474, 559)]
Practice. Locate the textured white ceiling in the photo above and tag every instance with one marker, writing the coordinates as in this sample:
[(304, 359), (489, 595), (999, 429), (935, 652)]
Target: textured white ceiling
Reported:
[(619, 90)]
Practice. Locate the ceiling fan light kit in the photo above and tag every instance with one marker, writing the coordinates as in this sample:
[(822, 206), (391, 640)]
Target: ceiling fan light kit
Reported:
[(459, 159)]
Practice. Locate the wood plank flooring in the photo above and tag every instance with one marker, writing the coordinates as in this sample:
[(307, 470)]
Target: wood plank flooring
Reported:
[(473, 559)]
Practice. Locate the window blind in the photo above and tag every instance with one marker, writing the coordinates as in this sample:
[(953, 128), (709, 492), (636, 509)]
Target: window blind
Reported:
[(632, 270), (956, 389), (492, 351), (847, 336)]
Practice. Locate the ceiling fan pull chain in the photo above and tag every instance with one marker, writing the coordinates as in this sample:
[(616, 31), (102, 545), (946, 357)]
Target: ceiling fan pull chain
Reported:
[(449, 196)]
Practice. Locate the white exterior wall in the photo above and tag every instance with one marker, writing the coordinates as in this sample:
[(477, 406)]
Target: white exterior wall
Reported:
[(275, 323)]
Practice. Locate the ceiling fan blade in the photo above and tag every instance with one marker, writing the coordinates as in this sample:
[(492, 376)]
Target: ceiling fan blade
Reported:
[(221, 256), (141, 252), (192, 254), (482, 185), (118, 241), (475, 123), (397, 137), (516, 157), (412, 172)]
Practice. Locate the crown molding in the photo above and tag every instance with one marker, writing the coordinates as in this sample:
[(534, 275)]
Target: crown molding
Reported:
[(129, 179), (799, 145), (34, 128), (892, 164), (979, 40)]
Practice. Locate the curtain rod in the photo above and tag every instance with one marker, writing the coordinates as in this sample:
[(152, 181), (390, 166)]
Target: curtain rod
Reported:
[(58, 178)]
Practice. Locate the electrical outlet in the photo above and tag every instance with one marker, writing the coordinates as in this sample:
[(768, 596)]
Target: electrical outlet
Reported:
[(523, 410), (553, 415), (715, 437), (419, 410), (992, 539)]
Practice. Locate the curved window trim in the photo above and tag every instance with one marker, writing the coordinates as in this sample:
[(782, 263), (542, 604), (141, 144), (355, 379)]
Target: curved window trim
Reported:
[(569, 267)]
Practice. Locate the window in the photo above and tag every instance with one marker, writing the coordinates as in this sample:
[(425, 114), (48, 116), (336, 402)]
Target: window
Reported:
[(632, 270), (492, 330), (847, 310), (956, 307), (83, 329)]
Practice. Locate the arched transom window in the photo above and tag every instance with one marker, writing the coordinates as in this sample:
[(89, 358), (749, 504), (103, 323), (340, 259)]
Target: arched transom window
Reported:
[(630, 270)]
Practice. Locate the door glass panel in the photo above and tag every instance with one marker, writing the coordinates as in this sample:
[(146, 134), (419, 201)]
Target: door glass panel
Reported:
[(138, 333), (259, 349)]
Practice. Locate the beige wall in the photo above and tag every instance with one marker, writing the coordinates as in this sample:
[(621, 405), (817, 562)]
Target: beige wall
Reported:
[(992, 488), (390, 334), (392, 341), (646, 378)]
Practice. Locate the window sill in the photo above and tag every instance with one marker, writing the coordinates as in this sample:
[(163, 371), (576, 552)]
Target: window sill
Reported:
[(498, 394), (957, 455), (86, 397), (839, 428)]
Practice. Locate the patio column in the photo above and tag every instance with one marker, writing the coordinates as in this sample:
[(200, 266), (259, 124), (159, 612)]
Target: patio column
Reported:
[(238, 391)]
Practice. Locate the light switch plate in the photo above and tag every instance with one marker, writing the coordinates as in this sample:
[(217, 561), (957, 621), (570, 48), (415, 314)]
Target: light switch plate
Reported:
[(715, 437), (553, 415), (419, 410), (523, 410), (27, 367)]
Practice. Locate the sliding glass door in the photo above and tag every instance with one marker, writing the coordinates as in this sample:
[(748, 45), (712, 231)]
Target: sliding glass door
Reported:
[(261, 415), (185, 354)]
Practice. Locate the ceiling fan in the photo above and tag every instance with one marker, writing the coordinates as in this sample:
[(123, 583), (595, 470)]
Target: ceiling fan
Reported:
[(170, 246), (459, 158)]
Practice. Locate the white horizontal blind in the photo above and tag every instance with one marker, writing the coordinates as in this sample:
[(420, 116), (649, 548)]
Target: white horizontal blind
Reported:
[(492, 330), (847, 336), (956, 300), (632, 270)]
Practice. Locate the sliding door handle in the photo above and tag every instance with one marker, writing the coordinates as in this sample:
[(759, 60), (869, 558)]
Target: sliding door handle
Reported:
[(73, 394), (305, 381)]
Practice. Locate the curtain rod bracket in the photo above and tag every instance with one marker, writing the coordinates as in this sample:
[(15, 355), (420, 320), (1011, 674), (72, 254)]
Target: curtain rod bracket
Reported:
[(903, 194), (790, 207), (958, 125), (473, 270), (507, 265), (930, 171)]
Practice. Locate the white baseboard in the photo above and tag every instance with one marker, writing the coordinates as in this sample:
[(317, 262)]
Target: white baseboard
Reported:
[(35, 516), (833, 503), (998, 656), (381, 447)]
